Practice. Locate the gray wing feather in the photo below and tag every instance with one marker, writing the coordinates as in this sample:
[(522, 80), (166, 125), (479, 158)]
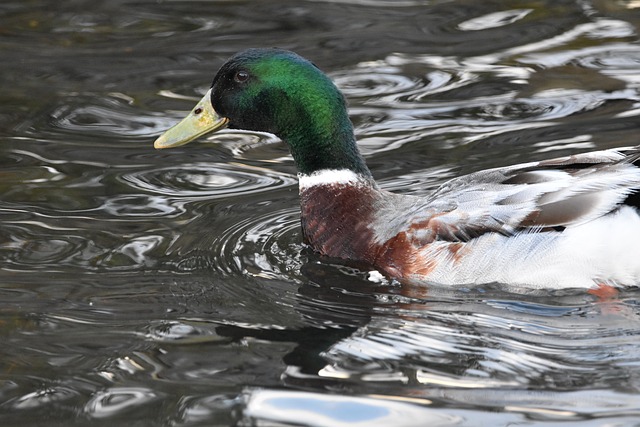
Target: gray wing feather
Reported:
[(560, 192)]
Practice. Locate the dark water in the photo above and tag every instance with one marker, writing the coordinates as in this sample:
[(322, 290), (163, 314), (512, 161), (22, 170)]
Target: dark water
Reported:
[(147, 288)]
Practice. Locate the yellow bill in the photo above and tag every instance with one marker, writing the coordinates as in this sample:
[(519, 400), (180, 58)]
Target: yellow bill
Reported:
[(202, 120)]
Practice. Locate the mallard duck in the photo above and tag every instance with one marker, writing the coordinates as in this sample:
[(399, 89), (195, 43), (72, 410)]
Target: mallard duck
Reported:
[(570, 222)]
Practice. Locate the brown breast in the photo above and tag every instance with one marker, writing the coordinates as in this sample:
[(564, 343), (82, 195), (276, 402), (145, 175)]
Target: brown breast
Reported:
[(336, 218)]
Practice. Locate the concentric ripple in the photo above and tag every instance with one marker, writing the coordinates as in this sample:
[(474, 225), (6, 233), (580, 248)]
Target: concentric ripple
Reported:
[(398, 81), (376, 79), (98, 115), (266, 245), (208, 180)]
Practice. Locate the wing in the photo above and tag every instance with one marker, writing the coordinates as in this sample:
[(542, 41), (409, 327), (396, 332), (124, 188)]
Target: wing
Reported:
[(551, 194)]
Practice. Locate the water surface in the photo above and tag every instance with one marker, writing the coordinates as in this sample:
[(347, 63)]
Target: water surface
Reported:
[(146, 288)]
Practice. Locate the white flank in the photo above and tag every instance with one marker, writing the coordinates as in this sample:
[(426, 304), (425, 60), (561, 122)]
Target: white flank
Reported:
[(329, 177), (602, 251)]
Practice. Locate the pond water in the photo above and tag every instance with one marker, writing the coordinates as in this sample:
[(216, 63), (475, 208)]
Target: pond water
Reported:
[(171, 288)]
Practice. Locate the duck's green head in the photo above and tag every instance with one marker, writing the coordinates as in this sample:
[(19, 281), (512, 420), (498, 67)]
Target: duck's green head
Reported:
[(276, 91)]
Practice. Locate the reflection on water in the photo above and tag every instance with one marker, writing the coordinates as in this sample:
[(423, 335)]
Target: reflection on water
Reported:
[(172, 288)]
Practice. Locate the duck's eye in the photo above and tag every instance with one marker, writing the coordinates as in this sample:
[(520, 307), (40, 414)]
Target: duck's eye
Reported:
[(241, 76)]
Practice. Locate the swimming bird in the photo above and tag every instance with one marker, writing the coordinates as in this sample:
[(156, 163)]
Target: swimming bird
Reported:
[(570, 222)]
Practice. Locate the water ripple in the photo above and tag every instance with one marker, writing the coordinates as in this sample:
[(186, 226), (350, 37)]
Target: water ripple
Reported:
[(183, 333), (98, 115), (207, 180), (267, 246), (371, 80), (118, 400), (494, 20), (44, 397), (491, 349)]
